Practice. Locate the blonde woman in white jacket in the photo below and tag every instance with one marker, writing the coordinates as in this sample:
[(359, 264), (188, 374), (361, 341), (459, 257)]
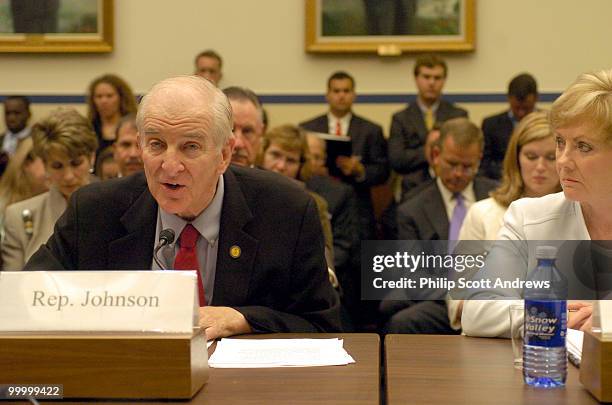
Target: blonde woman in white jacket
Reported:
[(582, 123)]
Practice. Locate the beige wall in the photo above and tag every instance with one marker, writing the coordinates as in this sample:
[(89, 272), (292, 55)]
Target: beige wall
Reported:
[(262, 43)]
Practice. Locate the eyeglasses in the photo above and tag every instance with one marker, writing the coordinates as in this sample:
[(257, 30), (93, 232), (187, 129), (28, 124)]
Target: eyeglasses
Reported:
[(277, 156)]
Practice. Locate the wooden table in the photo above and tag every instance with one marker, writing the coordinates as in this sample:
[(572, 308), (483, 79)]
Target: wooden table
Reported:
[(357, 383), (435, 369)]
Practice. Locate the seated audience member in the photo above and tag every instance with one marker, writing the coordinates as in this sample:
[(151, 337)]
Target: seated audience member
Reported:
[(437, 213), (497, 129), (340, 201), (413, 183), (275, 280), (248, 124), (529, 171), (342, 206), (318, 155), (580, 119), (368, 165), (16, 117), (284, 151), (125, 148), (109, 98), (208, 64), (67, 144), (410, 126), (106, 166), (24, 177)]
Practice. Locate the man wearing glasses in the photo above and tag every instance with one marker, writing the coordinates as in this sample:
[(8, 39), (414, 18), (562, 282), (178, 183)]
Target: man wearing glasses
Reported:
[(437, 213)]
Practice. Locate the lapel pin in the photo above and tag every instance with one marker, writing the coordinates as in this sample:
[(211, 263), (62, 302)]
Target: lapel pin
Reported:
[(235, 251)]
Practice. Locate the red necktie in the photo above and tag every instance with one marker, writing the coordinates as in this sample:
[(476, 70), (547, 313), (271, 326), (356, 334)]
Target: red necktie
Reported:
[(187, 257), (338, 128)]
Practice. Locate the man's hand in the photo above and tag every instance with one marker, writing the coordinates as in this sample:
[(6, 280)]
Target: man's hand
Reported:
[(580, 315), (350, 166), (222, 322)]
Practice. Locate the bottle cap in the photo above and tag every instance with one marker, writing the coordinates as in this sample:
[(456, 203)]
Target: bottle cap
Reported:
[(546, 252)]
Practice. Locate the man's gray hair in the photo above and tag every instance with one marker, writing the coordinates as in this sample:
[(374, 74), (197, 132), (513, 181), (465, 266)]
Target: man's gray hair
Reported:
[(181, 93), (242, 94)]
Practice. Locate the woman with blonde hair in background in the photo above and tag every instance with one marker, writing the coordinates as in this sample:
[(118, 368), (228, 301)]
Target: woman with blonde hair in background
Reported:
[(66, 143), (528, 171), (24, 176)]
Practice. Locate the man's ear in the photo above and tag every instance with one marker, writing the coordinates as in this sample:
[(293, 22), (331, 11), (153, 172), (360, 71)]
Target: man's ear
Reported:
[(226, 154), (435, 154)]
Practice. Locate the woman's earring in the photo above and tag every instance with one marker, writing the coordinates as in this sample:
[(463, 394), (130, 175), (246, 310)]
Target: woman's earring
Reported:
[(91, 170)]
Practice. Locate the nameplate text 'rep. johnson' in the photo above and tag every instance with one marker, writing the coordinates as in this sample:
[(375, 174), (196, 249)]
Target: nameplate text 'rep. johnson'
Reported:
[(100, 301)]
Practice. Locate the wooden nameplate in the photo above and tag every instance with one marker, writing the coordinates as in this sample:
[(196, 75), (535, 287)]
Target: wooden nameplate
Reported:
[(144, 366), (596, 366)]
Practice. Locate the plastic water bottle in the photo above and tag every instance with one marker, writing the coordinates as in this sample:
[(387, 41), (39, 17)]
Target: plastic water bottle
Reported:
[(544, 350)]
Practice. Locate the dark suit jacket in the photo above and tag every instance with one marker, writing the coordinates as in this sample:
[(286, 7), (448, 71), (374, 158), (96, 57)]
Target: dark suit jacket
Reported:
[(342, 206), (423, 217), (497, 130), (279, 283), (408, 135), (367, 141)]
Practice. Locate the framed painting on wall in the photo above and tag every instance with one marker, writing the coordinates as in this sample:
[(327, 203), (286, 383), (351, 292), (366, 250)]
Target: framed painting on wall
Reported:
[(56, 26), (390, 26)]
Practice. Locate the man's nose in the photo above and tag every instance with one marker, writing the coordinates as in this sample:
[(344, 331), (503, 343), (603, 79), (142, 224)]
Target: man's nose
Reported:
[(133, 151), (172, 163), (239, 139)]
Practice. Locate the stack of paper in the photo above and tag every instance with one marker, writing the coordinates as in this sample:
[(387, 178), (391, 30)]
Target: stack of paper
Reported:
[(574, 345), (249, 353)]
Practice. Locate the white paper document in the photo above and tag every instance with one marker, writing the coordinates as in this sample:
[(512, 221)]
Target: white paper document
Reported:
[(574, 345), (261, 353)]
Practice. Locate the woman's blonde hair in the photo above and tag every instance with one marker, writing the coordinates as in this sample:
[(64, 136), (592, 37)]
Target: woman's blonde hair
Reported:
[(586, 101), (64, 131), (15, 185), (290, 138), (533, 127)]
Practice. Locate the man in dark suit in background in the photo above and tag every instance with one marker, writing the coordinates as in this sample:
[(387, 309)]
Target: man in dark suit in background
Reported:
[(437, 213), (497, 129), (254, 238), (367, 164), (16, 117), (410, 126)]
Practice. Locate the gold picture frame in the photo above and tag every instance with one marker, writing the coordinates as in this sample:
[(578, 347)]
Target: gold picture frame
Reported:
[(390, 27), (71, 26)]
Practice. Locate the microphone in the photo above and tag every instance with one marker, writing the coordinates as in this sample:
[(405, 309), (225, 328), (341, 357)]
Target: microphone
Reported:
[(166, 237), (28, 222)]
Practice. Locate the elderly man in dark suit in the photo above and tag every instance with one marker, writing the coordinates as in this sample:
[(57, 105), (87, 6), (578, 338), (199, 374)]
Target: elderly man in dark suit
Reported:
[(437, 213), (254, 239), (367, 164), (409, 127), (497, 129)]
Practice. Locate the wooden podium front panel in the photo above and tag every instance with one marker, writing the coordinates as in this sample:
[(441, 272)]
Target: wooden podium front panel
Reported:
[(152, 366)]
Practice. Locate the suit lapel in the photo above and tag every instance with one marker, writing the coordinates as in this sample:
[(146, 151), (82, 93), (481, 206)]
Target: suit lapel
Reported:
[(417, 118), (135, 249), (321, 124), (237, 249), (357, 137), (435, 211)]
